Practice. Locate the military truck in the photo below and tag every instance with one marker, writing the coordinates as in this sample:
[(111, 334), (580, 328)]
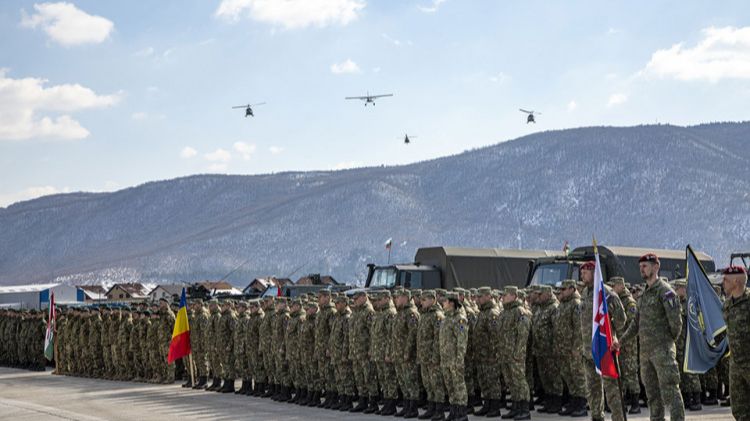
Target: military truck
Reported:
[(451, 267), (616, 261)]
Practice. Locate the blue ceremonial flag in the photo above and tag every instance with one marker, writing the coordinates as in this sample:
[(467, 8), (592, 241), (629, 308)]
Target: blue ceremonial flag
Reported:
[(704, 320)]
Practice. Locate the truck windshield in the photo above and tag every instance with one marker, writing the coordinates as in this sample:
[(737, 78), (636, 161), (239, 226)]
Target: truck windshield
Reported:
[(550, 274), (383, 277)]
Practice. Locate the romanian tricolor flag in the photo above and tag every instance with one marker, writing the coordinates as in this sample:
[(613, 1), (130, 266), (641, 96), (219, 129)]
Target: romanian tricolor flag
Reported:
[(180, 345)]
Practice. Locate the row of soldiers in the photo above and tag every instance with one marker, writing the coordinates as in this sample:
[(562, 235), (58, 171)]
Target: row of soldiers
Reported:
[(22, 339)]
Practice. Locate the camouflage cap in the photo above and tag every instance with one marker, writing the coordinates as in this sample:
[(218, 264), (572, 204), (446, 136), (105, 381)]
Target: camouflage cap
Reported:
[(568, 283), (296, 301), (213, 301), (269, 298), (511, 289), (311, 304), (146, 312), (359, 293), (545, 289), (441, 291), (416, 292), (400, 292), (522, 294), (495, 293), (616, 280), (627, 284), (341, 299), (253, 303), (451, 295), (473, 291), (384, 294), (429, 294), (324, 292), (281, 300), (484, 291), (680, 283)]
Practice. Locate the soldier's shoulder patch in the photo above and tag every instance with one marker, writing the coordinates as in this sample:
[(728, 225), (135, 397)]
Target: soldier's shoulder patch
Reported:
[(413, 319), (493, 322), (633, 309), (668, 294), (462, 324), (438, 322)]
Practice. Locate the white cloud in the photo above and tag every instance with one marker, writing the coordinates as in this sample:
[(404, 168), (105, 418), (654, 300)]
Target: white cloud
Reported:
[(187, 152), (723, 53), (146, 52), (219, 155), (292, 14), (30, 193), (346, 165), (572, 105), (275, 150), (393, 41), (217, 167), (616, 99), (67, 25), (346, 66), (139, 116), (432, 8), (499, 78), (245, 150), (613, 31), (22, 100)]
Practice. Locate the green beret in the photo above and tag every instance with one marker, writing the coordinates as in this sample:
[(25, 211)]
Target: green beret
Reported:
[(511, 289), (146, 312)]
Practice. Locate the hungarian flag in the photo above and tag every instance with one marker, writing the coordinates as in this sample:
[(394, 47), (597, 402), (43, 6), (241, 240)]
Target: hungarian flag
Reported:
[(49, 337), (601, 332), (180, 345)]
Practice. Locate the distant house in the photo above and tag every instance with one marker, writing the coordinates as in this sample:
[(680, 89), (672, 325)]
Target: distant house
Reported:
[(127, 292), (214, 288), (317, 280), (171, 292), (93, 292), (258, 285)]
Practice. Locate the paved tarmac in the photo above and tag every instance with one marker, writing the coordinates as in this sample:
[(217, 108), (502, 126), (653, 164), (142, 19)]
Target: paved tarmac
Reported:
[(26, 395)]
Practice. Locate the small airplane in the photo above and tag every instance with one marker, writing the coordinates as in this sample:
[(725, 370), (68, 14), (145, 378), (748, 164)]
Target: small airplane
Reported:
[(407, 139), (248, 108), (530, 118), (369, 99)]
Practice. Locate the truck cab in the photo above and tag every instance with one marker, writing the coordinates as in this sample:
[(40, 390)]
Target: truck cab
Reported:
[(409, 275)]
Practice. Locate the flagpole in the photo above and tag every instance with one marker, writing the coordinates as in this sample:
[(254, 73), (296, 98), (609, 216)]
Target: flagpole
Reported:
[(192, 368), (619, 385)]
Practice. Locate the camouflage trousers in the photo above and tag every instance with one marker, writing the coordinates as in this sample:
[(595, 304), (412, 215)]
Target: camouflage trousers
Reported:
[(281, 371), (326, 376), (155, 364), (661, 378), (310, 372), (549, 374), (629, 370), (269, 365), (365, 377), (710, 379), (107, 360), (455, 385), (571, 371), (344, 378), (241, 365), (489, 380), (689, 383), (432, 378), (408, 379), (201, 364), (387, 379), (514, 373), (470, 374), (296, 378), (595, 396), (214, 362), (739, 390)]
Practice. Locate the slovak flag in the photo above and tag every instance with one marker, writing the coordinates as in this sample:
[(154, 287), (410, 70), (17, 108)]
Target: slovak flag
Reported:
[(601, 332)]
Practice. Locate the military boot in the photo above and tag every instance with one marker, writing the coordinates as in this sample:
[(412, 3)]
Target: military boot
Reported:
[(578, 406), (285, 394), (201, 383), (276, 392), (294, 395), (512, 413), (228, 386), (403, 409), (302, 397), (412, 409), (439, 414), (693, 403), (215, 384), (494, 411), (346, 403), (711, 398), (242, 388), (523, 411), (484, 409), (188, 383), (452, 413), (429, 412), (331, 400), (270, 390), (389, 408), (361, 405), (314, 399), (635, 406), (461, 412), (554, 404), (372, 406)]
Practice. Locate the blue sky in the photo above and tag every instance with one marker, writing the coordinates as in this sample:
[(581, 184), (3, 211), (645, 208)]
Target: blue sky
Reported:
[(102, 95)]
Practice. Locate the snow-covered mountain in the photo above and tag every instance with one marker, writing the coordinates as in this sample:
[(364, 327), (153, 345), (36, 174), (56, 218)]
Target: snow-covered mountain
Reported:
[(653, 186)]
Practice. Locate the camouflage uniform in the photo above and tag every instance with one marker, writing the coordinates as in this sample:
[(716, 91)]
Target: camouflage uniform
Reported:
[(240, 337), (281, 368), (293, 350), (359, 350), (199, 341), (544, 349), (569, 345), (253, 348), (515, 323), (454, 338), (124, 329), (428, 350), (308, 360), (737, 315), (266, 343), (595, 381), (214, 346), (404, 347), (338, 344), (94, 350), (470, 371), (107, 340), (629, 349), (323, 323), (486, 335), (166, 324), (380, 340), (658, 326), (690, 384)]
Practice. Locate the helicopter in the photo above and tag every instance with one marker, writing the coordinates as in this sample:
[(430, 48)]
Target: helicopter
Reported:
[(530, 118), (248, 108), (369, 99), (407, 139)]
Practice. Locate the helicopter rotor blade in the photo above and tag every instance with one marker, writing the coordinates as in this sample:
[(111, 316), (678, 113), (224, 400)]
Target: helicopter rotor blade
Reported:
[(241, 106), (260, 103), (525, 111)]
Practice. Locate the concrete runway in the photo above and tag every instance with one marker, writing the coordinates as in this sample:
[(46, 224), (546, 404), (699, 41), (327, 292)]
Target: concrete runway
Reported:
[(26, 395)]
